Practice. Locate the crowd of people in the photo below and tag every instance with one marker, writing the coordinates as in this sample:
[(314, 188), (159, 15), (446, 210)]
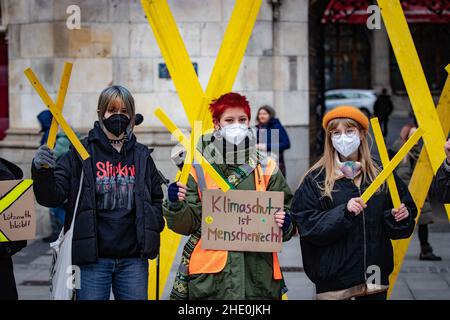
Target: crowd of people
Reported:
[(120, 212)]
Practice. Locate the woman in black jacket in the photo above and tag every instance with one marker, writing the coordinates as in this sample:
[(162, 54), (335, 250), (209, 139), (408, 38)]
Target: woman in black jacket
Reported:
[(8, 290), (346, 244), (119, 216)]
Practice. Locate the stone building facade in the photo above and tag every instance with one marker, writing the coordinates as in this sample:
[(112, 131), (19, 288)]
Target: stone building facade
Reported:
[(285, 66), (115, 45)]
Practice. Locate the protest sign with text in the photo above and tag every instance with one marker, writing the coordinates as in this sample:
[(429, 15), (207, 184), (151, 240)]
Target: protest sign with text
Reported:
[(241, 220)]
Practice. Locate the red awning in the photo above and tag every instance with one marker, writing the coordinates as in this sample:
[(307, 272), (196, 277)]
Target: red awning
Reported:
[(416, 11)]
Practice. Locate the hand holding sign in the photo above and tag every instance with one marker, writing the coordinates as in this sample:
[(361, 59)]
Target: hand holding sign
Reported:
[(241, 220)]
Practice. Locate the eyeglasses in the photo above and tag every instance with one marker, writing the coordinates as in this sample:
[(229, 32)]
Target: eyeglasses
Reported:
[(349, 132)]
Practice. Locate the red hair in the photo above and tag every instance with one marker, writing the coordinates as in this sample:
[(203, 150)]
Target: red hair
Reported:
[(228, 101), (404, 133)]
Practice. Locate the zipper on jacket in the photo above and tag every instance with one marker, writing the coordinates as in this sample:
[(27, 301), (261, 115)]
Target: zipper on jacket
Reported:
[(364, 239)]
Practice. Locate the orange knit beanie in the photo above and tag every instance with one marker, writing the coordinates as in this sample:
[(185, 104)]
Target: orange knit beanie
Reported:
[(346, 112)]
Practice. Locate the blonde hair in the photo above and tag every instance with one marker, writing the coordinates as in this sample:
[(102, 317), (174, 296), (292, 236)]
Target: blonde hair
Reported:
[(369, 168)]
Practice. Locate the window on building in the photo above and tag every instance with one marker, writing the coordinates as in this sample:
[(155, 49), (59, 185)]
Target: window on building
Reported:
[(347, 56), (433, 46)]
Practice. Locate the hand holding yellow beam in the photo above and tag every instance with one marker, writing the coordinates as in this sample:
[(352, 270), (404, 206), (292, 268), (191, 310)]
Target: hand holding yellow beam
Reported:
[(56, 113), (382, 150), (176, 132)]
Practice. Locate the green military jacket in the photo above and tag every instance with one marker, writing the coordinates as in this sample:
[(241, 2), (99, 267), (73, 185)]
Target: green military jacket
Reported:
[(247, 275)]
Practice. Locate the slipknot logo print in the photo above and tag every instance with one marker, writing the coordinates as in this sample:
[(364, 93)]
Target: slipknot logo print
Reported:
[(115, 186)]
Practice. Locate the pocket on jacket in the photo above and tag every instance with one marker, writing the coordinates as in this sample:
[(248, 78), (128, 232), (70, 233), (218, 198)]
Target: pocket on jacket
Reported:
[(203, 286), (84, 225), (151, 220)]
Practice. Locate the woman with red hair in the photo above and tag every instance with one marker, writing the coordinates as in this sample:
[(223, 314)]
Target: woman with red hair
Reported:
[(231, 150)]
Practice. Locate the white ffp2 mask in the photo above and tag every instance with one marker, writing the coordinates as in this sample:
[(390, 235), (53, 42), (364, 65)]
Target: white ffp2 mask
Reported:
[(235, 133), (345, 144)]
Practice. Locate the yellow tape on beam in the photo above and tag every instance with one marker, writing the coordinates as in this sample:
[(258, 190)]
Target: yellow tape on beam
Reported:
[(382, 150), (56, 113), (176, 132), (390, 167), (3, 238), (414, 79), (65, 78), (14, 194), (421, 181)]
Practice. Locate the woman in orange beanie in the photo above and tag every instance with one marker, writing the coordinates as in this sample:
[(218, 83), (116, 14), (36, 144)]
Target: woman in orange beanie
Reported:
[(345, 242)]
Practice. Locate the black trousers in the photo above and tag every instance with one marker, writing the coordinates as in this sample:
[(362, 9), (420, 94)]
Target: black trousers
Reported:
[(384, 126), (8, 289)]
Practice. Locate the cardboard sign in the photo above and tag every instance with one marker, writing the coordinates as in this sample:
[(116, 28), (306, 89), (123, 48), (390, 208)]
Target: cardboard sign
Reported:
[(241, 220), (17, 211)]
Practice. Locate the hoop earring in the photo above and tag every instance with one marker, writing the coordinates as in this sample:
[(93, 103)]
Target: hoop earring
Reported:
[(217, 134)]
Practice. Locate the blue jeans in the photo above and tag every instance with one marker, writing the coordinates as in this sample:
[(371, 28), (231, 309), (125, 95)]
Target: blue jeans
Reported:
[(127, 277)]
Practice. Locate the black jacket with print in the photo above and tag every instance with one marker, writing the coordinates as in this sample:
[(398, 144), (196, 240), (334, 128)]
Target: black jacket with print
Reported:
[(52, 187), (339, 247)]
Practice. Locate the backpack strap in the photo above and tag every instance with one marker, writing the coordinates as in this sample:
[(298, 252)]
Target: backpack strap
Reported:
[(201, 180)]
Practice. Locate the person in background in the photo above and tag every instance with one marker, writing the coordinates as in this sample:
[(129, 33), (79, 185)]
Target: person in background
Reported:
[(344, 240), (383, 108), (8, 289), (405, 170), (441, 185), (266, 122), (119, 217), (45, 120)]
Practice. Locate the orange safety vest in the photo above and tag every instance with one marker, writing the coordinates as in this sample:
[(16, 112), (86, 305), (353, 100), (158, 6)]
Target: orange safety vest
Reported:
[(214, 261)]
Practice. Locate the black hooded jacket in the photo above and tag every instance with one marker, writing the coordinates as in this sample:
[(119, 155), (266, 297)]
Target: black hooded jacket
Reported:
[(339, 247), (53, 187)]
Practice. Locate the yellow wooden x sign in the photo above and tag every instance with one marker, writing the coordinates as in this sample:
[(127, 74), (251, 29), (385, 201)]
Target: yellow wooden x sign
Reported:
[(56, 109), (230, 56), (195, 101), (432, 126)]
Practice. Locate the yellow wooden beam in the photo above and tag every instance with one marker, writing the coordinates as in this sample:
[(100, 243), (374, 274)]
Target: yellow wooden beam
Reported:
[(175, 55), (390, 167), (414, 79), (194, 101), (421, 181), (180, 67), (181, 138), (65, 78), (384, 157), (56, 113)]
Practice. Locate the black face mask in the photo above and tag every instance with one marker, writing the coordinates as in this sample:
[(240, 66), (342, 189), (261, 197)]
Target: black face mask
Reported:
[(116, 124)]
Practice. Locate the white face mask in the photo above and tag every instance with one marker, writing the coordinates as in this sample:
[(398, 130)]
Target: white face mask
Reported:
[(235, 133), (345, 144)]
